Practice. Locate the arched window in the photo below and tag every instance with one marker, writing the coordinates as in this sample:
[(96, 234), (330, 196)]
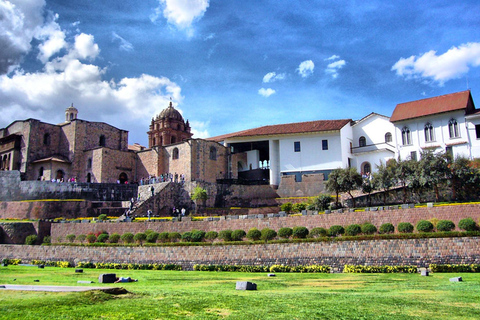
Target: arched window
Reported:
[(388, 137), (362, 142), (60, 175), (89, 163), (453, 128), (154, 141), (175, 154), (366, 168), (429, 132), (173, 139), (213, 153), (101, 141), (89, 177), (123, 178), (46, 139), (406, 136)]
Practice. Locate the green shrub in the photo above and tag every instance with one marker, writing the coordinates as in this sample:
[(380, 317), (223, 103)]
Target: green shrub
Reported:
[(368, 228), (353, 230), (152, 237), (91, 238), (81, 238), (225, 235), (318, 232), (424, 226), (467, 224), (31, 239), (47, 239), (445, 225), (163, 236), (174, 236), (238, 235), (285, 232), (127, 237), (298, 207), (198, 235), (102, 238), (321, 203), (300, 232), (379, 269), (387, 228), (114, 237), (405, 227), (70, 237), (140, 237), (102, 217), (211, 235), (287, 207), (335, 230), (254, 234), (268, 234), (187, 236)]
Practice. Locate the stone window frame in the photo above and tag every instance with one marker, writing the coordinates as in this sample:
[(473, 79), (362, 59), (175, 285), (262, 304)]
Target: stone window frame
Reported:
[(213, 153), (388, 137), (46, 139), (453, 129), (175, 153), (362, 141), (406, 136), (429, 132), (102, 141)]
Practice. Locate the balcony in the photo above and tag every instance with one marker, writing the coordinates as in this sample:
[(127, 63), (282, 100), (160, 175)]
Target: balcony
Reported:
[(370, 148)]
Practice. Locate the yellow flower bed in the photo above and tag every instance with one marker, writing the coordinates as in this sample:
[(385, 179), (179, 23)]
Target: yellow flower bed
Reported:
[(203, 218), (154, 219)]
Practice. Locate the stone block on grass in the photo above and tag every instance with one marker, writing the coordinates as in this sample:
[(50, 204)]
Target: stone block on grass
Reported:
[(456, 279), (107, 278), (246, 285)]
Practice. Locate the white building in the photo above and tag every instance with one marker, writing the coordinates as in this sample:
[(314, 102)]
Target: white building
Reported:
[(448, 123)]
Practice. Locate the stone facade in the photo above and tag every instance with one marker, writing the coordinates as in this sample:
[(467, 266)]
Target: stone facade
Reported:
[(419, 252)]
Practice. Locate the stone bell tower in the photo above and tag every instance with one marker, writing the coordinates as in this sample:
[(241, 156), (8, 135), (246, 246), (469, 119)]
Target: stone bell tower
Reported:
[(71, 113), (168, 127)]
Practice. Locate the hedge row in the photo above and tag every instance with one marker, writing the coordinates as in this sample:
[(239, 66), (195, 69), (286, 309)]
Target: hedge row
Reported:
[(378, 269), (128, 266), (455, 267), (273, 268)]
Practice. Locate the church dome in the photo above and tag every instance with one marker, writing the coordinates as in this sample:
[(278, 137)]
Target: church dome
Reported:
[(170, 113)]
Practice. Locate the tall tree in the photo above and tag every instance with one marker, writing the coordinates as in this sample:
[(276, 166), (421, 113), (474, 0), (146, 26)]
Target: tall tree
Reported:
[(432, 169), (350, 180), (384, 178), (333, 183)]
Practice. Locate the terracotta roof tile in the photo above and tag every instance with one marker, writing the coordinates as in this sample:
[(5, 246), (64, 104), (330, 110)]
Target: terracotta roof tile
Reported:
[(289, 128), (425, 107)]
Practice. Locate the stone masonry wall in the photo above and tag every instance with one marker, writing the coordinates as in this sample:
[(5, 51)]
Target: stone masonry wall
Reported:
[(419, 252), (454, 213)]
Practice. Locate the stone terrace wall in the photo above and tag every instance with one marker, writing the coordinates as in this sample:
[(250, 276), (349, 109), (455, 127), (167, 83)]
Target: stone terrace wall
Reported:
[(419, 252), (45, 209), (454, 213)]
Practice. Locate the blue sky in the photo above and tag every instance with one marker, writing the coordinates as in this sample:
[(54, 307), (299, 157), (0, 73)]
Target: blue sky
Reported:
[(231, 65)]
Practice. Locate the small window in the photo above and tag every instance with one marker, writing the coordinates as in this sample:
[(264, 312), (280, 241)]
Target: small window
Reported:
[(449, 152), (406, 136), (362, 142), (175, 154), (388, 137), (102, 141), (429, 132), (367, 169), (477, 130), (296, 146), (213, 153), (46, 139), (89, 163), (324, 144), (173, 139), (413, 155), (453, 128)]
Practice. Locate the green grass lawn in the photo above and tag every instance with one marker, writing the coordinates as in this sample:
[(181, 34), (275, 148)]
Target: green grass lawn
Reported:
[(212, 295)]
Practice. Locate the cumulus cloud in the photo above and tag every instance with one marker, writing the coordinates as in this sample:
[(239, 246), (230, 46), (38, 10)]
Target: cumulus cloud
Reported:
[(124, 44), (272, 77), (332, 68), (266, 92), (452, 64), (200, 129), (19, 21), (305, 69), (181, 13), (334, 57)]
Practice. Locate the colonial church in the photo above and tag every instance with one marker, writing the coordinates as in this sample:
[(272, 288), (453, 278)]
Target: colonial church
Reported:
[(294, 158)]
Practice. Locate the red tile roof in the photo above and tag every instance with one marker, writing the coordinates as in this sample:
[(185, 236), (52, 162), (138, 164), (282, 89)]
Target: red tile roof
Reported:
[(425, 107), (289, 128)]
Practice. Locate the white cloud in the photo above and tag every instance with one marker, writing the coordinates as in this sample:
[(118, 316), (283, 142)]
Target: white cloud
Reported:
[(18, 25), (181, 13), (53, 37), (272, 77), (334, 57), (333, 67), (266, 92), (85, 46), (200, 129), (453, 64), (305, 68), (124, 44)]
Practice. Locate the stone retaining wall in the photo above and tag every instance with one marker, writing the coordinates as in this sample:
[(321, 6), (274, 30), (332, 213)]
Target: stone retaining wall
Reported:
[(419, 252), (454, 213)]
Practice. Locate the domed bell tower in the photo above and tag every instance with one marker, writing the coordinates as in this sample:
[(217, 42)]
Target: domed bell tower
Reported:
[(71, 113), (167, 128)]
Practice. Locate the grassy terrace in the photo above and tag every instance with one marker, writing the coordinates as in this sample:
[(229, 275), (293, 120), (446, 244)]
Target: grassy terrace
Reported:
[(212, 295)]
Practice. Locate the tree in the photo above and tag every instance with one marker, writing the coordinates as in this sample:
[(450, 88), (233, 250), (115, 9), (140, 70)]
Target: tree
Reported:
[(463, 177), (199, 194), (384, 178), (349, 181), (333, 183), (432, 169), (403, 171)]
